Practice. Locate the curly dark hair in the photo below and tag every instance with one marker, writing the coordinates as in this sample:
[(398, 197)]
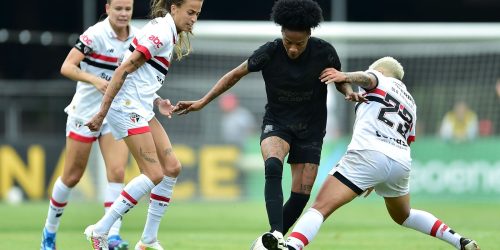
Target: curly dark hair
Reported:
[(297, 15)]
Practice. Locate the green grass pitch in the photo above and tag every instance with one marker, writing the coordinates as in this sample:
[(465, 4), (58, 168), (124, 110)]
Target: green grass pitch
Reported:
[(362, 225)]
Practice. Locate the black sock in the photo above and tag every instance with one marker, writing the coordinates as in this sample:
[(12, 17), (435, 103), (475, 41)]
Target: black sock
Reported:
[(293, 208), (273, 193)]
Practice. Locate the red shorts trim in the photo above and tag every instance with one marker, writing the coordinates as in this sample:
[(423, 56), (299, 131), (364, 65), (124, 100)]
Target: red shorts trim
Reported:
[(138, 131), (81, 138)]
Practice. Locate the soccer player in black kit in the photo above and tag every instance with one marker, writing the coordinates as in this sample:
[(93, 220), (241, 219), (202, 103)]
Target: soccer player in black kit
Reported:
[(295, 119)]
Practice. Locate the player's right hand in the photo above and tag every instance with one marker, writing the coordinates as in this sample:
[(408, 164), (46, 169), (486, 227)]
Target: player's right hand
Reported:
[(95, 123), (184, 107), (101, 85)]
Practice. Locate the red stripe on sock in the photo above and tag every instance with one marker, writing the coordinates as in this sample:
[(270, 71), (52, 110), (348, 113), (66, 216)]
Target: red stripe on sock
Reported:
[(108, 204), (300, 237), (57, 204), (159, 198), (436, 226), (128, 197)]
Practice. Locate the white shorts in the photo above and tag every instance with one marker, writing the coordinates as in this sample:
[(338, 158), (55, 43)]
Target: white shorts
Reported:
[(123, 124), (76, 130), (362, 169)]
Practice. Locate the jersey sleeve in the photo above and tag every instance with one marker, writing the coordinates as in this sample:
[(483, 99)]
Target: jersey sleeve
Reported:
[(260, 57), (88, 41), (154, 39), (333, 58)]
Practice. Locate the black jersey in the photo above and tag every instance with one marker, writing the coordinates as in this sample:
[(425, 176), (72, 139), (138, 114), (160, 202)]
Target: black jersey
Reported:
[(296, 98)]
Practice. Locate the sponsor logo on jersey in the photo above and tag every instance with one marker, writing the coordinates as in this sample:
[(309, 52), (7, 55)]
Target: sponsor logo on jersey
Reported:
[(391, 139), (86, 39), (135, 117), (105, 76), (156, 41)]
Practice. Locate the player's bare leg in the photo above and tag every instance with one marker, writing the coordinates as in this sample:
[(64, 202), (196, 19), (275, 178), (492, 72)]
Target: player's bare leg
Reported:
[(115, 154), (77, 155), (332, 195), (303, 177), (162, 193), (142, 148), (422, 221)]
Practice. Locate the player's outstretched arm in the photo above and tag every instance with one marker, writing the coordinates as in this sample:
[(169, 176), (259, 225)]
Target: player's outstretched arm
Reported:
[(222, 85), (136, 60)]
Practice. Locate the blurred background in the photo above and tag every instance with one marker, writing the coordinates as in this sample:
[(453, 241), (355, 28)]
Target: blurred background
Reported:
[(450, 50)]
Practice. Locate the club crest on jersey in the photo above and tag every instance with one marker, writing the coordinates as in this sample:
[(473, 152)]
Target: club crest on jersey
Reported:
[(135, 117), (78, 123)]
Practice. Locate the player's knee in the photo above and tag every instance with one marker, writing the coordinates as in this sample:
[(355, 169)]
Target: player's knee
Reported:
[(400, 218), (273, 168), (173, 169), (71, 180), (116, 174)]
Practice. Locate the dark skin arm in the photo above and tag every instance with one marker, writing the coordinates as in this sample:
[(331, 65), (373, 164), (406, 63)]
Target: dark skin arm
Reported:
[(222, 85), (135, 61)]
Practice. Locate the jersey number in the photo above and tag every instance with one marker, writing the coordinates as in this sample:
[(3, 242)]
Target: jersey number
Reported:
[(395, 107)]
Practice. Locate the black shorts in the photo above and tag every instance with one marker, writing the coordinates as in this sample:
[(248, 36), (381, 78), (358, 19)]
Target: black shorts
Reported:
[(305, 147)]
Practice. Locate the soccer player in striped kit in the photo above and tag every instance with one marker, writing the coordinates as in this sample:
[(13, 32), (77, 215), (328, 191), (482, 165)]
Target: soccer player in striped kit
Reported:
[(128, 107), (295, 119), (378, 157), (92, 61)]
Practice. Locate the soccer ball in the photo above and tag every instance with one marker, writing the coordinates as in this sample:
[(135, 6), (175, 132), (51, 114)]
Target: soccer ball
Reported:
[(257, 244)]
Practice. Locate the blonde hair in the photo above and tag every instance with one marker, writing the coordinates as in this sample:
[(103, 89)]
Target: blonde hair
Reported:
[(390, 66), (160, 8)]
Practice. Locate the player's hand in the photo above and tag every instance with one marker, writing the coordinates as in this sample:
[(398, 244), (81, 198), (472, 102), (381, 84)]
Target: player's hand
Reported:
[(166, 108), (367, 192), (330, 75), (184, 107), (355, 97), (96, 122), (101, 85)]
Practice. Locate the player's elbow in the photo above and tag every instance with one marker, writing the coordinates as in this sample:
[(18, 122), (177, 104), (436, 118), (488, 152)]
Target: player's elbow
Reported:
[(65, 69)]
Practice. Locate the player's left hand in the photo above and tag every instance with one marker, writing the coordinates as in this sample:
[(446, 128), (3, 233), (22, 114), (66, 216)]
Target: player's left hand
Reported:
[(355, 97), (330, 75), (166, 108)]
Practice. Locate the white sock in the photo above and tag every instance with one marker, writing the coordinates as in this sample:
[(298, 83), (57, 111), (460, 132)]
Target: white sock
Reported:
[(306, 229), (428, 224), (133, 191), (58, 201), (112, 192), (158, 203)]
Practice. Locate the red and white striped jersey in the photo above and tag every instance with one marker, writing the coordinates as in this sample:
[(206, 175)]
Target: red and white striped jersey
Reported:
[(386, 123), (156, 41), (103, 53)]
